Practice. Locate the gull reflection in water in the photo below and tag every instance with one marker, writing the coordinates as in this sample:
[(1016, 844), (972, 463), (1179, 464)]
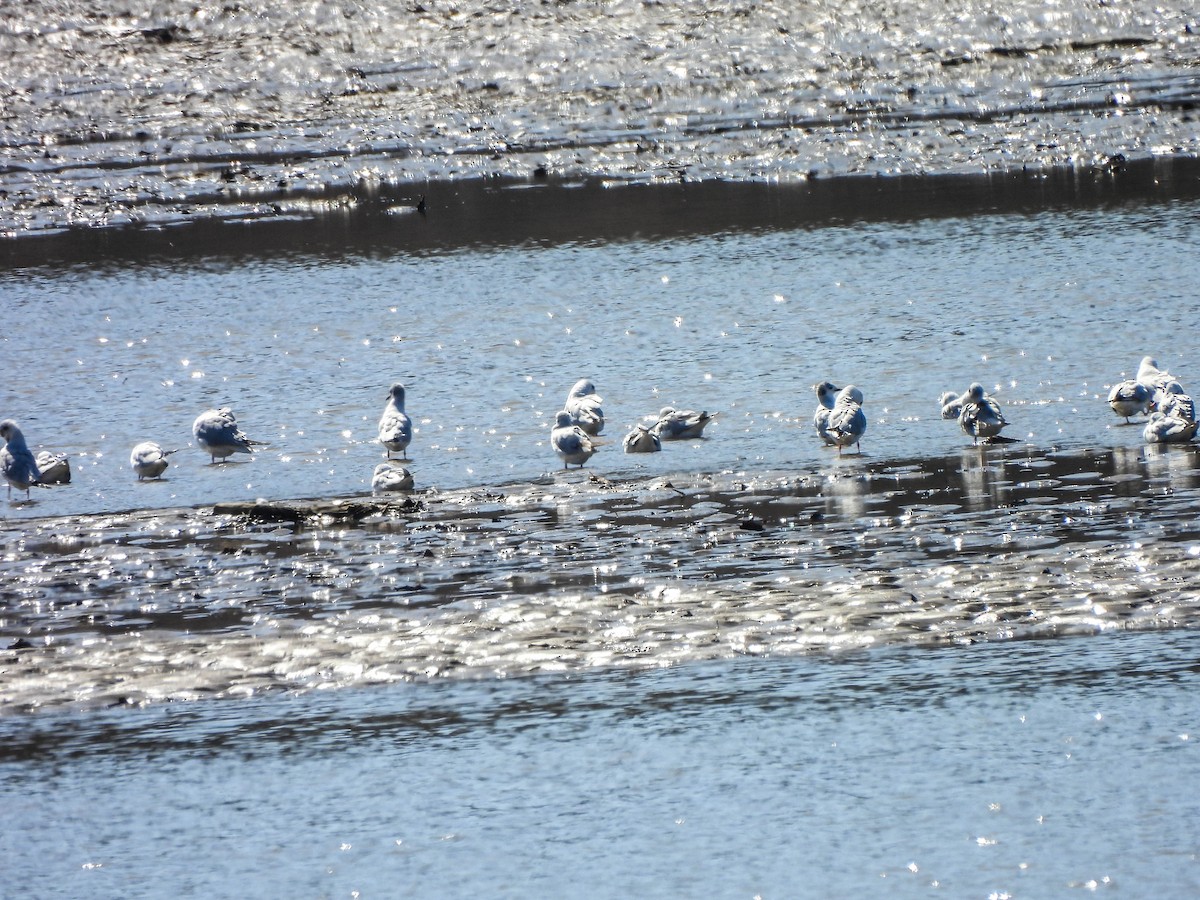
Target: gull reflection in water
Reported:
[(1173, 463), (846, 494), (984, 485)]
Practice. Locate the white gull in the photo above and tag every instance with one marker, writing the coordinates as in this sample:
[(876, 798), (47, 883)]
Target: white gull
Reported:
[(847, 421), (395, 427), (573, 445), (217, 432), (16, 462), (388, 478), (681, 424), (583, 403), (149, 460)]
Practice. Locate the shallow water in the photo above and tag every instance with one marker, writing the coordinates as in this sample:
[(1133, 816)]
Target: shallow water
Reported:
[(984, 546), (1025, 768), (1047, 309), (505, 544)]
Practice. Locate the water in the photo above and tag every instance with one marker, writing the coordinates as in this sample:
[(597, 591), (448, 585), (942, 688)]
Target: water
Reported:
[(1036, 306), (757, 539), (754, 666), (1017, 769)]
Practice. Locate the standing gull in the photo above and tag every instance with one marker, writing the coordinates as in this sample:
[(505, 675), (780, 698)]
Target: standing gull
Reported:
[(980, 416), (217, 432), (583, 403), (1130, 398), (149, 460), (395, 427), (572, 444), (847, 421), (17, 463)]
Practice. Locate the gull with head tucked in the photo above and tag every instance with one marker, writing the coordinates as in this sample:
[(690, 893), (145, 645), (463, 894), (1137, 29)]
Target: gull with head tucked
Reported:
[(217, 432), (1171, 400), (1162, 428), (951, 404), (395, 427), (149, 460), (1130, 398), (642, 440), (583, 403), (1151, 375), (55, 467), (19, 467), (847, 421), (681, 424), (389, 478), (573, 445), (980, 416)]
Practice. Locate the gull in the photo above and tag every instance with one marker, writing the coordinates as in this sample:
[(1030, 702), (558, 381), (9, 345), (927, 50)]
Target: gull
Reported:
[(847, 421), (149, 460), (1170, 400), (583, 403), (980, 416), (388, 478), (55, 467), (681, 424), (1130, 398), (827, 393), (642, 440), (1151, 375), (951, 404), (395, 427), (17, 463), (1168, 429), (573, 445), (217, 431)]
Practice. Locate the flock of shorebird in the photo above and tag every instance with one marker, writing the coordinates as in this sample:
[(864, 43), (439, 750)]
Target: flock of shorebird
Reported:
[(581, 419), (1157, 393), (1154, 392), (839, 421)]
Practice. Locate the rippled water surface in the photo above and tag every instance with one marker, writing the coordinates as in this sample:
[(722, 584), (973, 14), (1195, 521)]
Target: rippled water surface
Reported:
[(1039, 768), (1046, 309), (754, 665), (744, 666)]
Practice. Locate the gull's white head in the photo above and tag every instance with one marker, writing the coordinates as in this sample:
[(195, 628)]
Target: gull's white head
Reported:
[(827, 392)]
